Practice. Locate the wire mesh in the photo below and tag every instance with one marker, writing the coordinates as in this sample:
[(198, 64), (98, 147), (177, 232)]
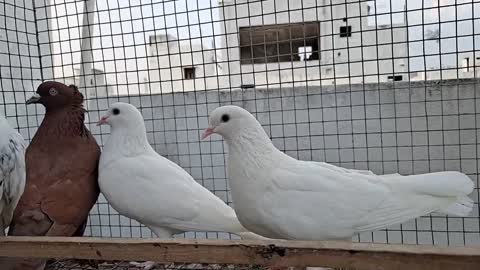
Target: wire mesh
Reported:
[(385, 85)]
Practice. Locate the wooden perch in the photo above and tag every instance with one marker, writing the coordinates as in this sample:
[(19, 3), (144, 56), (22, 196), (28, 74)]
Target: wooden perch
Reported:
[(268, 253)]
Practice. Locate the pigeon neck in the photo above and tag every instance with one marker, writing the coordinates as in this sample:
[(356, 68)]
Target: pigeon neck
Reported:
[(252, 143), (66, 122), (130, 141)]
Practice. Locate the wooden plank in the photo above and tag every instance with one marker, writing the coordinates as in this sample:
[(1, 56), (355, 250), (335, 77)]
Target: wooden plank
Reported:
[(276, 253)]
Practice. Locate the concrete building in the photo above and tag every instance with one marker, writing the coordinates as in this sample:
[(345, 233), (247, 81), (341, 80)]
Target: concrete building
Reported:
[(179, 65), (96, 84), (20, 66), (284, 43), (467, 66)]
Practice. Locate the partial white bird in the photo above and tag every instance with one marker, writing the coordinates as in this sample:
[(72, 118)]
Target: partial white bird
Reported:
[(278, 196), (12, 172), (142, 185)]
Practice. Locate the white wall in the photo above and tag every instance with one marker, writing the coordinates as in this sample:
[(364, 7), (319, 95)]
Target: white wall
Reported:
[(340, 57), (96, 84), (167, 61), (20, 69), (451, 72)]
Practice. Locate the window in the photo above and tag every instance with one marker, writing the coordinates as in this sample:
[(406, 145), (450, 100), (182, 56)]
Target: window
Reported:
[(189, 73), (345, 31), (395, 78), (279, 43)]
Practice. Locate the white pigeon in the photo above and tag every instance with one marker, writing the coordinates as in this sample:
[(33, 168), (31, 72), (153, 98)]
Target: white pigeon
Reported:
[(12, 172), (277, 196), (142, 185)]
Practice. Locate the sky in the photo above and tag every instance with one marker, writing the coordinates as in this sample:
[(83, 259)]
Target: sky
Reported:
[(122, 28)]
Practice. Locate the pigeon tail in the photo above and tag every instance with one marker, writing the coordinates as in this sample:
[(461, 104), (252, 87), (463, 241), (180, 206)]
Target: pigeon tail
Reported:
[(452, 186), (462, 207)]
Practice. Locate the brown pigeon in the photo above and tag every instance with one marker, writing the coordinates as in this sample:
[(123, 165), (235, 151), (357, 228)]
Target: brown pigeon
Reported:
[(62, 169)]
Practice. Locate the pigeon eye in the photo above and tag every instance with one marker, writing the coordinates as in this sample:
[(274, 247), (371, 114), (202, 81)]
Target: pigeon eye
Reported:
[(225, 118), (53, 92), (115, 111)]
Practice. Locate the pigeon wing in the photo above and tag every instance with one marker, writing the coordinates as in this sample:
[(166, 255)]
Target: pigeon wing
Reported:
[(12, 175), (158, 192)]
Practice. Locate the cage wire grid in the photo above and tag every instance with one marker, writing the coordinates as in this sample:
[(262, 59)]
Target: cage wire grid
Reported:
[(389, 86)]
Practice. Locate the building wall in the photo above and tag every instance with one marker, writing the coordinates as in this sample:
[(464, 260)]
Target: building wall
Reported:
[(167, 60), (369, 55), (95, 83), (466, 69), (404, 127), (20, 70)]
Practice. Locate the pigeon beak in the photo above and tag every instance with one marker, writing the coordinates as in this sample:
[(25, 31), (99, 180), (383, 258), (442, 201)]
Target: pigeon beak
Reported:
[(34, 99), (209, 131), (102, 121)]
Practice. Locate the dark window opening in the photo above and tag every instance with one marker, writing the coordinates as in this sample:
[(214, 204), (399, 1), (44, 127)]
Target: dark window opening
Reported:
[(467, 63), (345, 31), (279, 43), (247, 86), (395, 78), (189, 73)]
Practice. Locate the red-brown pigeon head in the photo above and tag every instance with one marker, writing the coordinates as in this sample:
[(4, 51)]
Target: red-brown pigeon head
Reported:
[(55, 95)]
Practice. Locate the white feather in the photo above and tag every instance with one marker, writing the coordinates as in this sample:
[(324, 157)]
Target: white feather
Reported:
[(280, 197), (141, 184), (12, 172)]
